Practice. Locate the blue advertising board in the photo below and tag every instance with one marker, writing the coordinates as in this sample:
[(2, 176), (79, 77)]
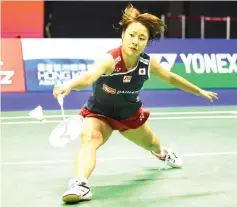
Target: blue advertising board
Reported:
[(43, 74), (209, 63)]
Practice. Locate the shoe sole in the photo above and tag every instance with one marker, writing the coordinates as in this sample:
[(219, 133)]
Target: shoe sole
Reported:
[(72, 198)]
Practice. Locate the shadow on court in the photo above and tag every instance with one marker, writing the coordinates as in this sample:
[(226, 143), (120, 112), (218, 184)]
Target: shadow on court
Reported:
[(128, 194)]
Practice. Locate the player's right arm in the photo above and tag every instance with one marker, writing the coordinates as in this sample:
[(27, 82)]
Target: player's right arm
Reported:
[(103, 65)]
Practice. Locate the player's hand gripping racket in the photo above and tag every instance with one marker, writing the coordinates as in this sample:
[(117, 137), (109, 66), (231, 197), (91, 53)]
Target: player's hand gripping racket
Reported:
[(68, 130)]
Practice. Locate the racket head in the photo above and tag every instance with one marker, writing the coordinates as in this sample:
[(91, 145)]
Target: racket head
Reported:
[(66, 131)]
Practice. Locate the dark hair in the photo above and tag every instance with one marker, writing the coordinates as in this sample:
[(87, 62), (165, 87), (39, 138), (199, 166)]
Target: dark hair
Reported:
[(154, 25)]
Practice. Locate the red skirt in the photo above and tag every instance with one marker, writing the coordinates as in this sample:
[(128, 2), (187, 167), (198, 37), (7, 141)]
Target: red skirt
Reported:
[(135, 121)]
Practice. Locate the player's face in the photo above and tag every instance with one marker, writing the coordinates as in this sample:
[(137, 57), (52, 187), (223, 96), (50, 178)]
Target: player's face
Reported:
[(135, 38)]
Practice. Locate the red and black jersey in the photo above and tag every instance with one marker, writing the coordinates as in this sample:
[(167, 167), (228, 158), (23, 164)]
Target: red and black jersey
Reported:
[(117, 95)]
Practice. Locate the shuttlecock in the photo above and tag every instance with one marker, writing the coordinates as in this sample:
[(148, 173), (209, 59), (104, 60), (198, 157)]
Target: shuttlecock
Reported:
[(37, 113)]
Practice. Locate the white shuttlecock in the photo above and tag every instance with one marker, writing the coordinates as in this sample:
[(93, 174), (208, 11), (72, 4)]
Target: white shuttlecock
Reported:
[(37, 113)]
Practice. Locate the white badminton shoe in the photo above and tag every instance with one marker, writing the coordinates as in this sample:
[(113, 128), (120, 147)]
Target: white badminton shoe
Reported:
[(170, 158), (78, 191)]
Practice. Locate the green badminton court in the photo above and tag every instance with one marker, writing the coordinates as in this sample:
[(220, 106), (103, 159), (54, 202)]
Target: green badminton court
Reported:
[(34, 174)]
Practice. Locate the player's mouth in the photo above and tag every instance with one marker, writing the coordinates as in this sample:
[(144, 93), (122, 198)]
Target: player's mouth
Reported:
[(133, 49)]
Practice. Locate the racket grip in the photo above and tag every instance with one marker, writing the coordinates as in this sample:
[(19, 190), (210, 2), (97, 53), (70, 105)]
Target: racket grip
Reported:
[(60, 99)]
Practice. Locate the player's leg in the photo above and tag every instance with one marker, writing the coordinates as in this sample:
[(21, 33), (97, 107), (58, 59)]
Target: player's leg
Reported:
[(95, 133), (145, 137)]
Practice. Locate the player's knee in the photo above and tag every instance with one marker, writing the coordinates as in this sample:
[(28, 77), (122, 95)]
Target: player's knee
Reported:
[(93, 137)]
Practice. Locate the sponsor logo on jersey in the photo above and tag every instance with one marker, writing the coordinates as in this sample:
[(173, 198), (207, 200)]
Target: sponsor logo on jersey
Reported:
[(117, 70), (145, 61), (141, 117), (128, 92), (109, 89), (117, 59), (127, 79), (142, 71)]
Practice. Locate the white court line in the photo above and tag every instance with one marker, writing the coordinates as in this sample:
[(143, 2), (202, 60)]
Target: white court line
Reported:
[(153, 113), (194, 117), (151, 118), (30, 122), (28, 117), (208, 154), (193, 112)]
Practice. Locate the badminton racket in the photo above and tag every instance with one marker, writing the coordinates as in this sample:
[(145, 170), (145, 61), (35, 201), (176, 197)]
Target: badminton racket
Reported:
[(69, 129)]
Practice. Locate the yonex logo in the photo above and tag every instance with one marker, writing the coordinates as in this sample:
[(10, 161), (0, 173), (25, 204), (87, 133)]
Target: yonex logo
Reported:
[(141, 117), (200, 63), (117, 70), (166, 60)]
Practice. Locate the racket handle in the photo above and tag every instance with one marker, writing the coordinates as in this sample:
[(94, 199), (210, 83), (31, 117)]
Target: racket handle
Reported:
[(60, 99)]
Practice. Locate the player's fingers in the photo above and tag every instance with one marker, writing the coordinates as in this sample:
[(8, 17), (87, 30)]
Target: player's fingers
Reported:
[(214, 95), (57, 90), (54, 94), (210, 98)]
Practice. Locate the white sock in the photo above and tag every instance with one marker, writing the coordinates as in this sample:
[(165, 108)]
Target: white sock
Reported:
[(77, 180), (81, 180)]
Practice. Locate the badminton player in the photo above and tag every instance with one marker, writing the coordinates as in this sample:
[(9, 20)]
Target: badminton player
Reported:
[(117, 79)]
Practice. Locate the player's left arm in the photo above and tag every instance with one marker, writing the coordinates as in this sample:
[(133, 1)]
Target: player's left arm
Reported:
[(179, 82)]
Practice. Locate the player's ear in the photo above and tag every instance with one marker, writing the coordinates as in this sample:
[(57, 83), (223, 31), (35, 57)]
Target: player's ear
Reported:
[(122, 35)]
